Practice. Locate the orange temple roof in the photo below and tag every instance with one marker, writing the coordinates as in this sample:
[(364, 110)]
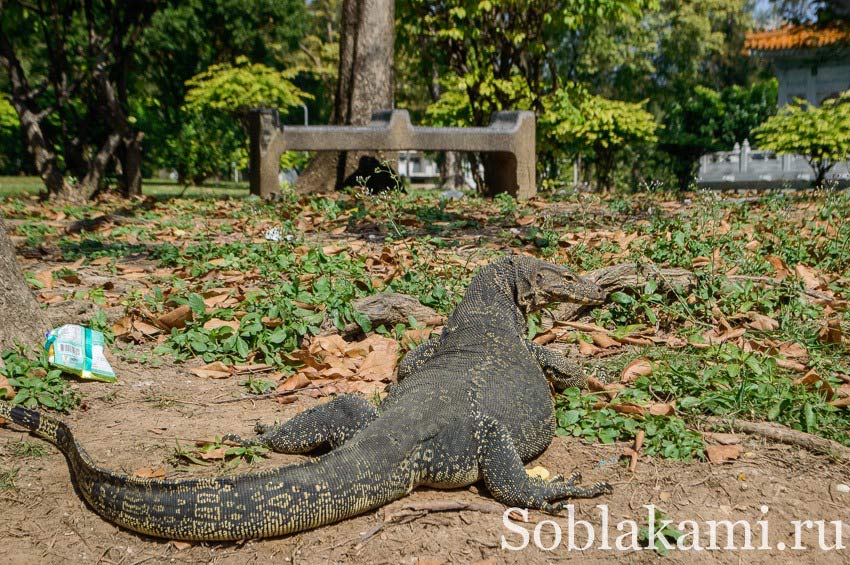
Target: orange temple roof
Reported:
[(796, 37)]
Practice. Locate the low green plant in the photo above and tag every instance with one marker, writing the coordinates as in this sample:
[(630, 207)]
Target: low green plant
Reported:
[(36, 383), (22, 449), (666, 436), (258, 386), (8, 476)]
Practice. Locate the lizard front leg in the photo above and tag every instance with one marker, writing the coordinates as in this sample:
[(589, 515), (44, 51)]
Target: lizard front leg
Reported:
[(509, 483), (416, 358), (561, 373), (329, 424)]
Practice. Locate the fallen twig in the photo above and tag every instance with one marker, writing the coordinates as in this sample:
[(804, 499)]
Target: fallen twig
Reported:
[(268, 394), (783, 434)]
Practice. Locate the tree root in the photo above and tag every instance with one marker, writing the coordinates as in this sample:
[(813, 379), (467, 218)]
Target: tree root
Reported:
[(783, 434)]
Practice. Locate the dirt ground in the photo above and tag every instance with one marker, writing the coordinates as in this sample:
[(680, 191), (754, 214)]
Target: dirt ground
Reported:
[(137, 422)]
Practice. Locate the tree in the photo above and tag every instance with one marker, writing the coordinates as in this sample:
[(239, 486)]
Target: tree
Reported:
[(186, 38), (216, 99), (71, 96), (499, 54), (821, 134), (21, 319), (662, 56), (364, 84), (596, 127), (13, 158)]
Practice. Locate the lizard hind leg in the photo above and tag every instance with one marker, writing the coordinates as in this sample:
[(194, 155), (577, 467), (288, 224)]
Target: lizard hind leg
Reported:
[(326, 425), (508, 482)]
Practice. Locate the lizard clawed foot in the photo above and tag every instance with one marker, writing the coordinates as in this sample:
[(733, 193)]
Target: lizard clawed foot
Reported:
[(237, 439), (569, 490)]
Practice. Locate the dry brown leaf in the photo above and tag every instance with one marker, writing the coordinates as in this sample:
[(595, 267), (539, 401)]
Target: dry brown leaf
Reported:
[(676, 341), (780, 269), (813, 382), (212, 454), (46, 278), (633, 340), (699, 262), (214, 370), (603, 340), (145, 328), (332, 344), (177, 317), (721, 438), (722, 453), (811, 279), (413, 337), (628, 408), (640, 367), (762, 322), (150, 473), (294, 382), (122, 326), (10, 390), (378, 366), (216, 323), (594, 384), (793, 350), (526, 220), (288, 399), (831, 332), (544, 338), (662, 409), (586, 348), (791, 365), (584, 327), (752, 245)]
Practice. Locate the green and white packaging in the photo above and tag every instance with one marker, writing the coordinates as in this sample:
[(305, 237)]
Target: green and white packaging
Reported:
[(79, 350)]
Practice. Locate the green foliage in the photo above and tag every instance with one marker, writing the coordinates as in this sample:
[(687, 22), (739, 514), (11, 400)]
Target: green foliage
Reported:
[(665, 436), (236, 88), (747, 107), (256, 385), (489, 56), (690, 130), (208, 144), (822, 134), (208, 452), (596, 127), (13, 158), (8, 116), (36, 383), (8, 476)]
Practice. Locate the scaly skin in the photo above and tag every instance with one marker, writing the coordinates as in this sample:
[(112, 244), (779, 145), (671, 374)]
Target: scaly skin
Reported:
[(476, 408)]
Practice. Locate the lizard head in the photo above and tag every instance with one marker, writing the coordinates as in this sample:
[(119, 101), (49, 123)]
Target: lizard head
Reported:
[(540, 283)]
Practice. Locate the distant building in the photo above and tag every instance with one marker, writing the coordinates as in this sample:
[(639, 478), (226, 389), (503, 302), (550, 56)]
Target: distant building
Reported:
[(811, 62)]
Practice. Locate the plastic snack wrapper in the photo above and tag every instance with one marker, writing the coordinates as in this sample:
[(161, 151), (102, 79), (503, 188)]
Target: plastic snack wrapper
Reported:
[(79, 350)]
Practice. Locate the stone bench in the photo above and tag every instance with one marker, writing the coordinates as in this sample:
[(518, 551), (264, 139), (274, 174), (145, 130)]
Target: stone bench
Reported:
[(508, 143)]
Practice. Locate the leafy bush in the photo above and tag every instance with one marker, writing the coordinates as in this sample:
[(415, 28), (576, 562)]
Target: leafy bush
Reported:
[(821, 134)]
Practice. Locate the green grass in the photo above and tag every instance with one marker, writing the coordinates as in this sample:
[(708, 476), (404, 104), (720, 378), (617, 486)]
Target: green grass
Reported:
[(158, 188)]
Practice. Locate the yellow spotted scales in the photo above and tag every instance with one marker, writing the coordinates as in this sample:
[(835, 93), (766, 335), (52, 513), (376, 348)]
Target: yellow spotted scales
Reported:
[(472, 404)]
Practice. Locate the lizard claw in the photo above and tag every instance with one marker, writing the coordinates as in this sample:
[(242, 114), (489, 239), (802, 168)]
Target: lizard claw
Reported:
[(235, 439), (569, 490)]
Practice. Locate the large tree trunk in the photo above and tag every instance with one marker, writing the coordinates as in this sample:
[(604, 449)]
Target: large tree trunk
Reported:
[(21, 319), (131, 165), (365, 84)]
